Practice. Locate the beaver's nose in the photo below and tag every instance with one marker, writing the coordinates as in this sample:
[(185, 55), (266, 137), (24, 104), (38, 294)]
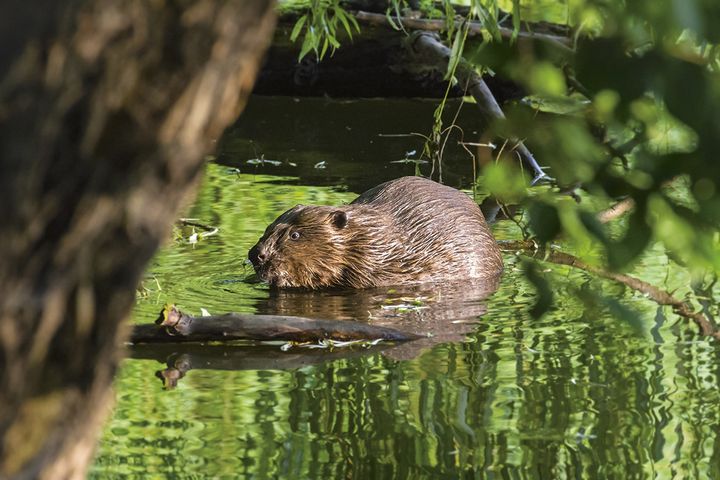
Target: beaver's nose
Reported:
[(257, 255)]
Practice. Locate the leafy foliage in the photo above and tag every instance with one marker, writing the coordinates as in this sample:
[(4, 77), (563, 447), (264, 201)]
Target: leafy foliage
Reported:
[(322, 25), (640, 71), (632, 110)]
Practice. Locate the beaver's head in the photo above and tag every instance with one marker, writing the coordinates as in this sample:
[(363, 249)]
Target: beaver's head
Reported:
[(304, 247)]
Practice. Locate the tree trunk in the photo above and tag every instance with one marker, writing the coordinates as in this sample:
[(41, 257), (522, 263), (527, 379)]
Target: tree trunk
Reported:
[(107, 108)]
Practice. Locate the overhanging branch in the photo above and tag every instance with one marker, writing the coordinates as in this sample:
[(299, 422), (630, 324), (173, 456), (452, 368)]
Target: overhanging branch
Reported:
[(659, 296), (474, 28), (428, 49)]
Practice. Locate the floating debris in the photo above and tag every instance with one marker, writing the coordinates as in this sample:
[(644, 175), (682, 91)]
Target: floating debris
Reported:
[(207, 230), (410, 160), (264, 161), (403, 307), (329, 343)]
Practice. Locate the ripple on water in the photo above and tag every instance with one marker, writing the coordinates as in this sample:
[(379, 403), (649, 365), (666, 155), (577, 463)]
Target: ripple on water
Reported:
[(576, 393)]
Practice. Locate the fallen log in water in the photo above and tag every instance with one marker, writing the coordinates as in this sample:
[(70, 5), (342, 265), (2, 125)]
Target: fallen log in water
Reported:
[(173, 326)]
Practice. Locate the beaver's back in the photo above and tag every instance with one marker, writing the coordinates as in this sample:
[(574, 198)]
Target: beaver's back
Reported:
[(445, 230)]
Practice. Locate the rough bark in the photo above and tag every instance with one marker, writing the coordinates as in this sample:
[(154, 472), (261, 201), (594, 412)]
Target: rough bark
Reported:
[(107, 108)]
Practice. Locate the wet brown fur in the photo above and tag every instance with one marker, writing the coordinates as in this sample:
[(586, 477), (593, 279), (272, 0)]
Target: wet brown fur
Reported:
[(407, 230)]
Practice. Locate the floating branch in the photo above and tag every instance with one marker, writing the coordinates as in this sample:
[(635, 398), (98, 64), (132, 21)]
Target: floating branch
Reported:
[(173, 326)]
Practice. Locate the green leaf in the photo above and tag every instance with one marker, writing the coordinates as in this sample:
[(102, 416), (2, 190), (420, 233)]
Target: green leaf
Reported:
[(544, 221), (624, 313), (298, 27), (489, 20), (308, 44), (449, 18), (354, 22), (593, 225), (681, 78), (516, 20), (330, 26), (505, 182), (637, 237), (599, 61), (392, 23), (593, 300), (342, 16), (455, 53), (545, 78), (333, 41), (544, 299)]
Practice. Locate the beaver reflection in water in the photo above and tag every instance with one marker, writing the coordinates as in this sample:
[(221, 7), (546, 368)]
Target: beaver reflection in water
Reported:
[(408, 230)]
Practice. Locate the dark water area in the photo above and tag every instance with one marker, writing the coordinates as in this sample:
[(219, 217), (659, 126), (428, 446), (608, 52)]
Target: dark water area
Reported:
[(489, 393), (351, 144)]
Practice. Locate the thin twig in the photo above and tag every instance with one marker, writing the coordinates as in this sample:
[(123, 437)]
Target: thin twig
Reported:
[(430, 50), (491, 146)]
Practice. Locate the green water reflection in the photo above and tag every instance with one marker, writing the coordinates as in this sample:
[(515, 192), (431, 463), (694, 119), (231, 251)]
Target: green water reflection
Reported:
[(576, 394)]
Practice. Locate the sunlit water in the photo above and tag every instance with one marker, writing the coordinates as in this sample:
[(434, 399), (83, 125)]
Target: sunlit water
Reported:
[(575, 394)]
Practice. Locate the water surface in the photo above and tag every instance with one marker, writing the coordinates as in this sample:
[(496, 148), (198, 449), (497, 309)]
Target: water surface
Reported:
[(575, 394)]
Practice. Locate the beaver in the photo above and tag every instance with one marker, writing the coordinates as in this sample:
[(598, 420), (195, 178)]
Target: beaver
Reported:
[(408, 230)]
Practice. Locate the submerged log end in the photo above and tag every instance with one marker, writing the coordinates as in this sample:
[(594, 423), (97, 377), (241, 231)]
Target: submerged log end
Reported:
[(175, 321)]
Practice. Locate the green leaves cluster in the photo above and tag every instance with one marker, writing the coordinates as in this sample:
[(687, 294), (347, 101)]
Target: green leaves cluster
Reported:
[(630, 110), (645, 124), (322, 26)]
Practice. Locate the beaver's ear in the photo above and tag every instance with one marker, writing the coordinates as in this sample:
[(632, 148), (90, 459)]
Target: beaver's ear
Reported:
[(339, 219)]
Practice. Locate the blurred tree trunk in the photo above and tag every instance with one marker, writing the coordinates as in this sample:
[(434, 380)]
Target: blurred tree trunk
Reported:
[(107, 108)]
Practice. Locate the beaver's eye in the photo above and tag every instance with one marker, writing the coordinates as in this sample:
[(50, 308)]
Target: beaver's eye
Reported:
[(294, 235)]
